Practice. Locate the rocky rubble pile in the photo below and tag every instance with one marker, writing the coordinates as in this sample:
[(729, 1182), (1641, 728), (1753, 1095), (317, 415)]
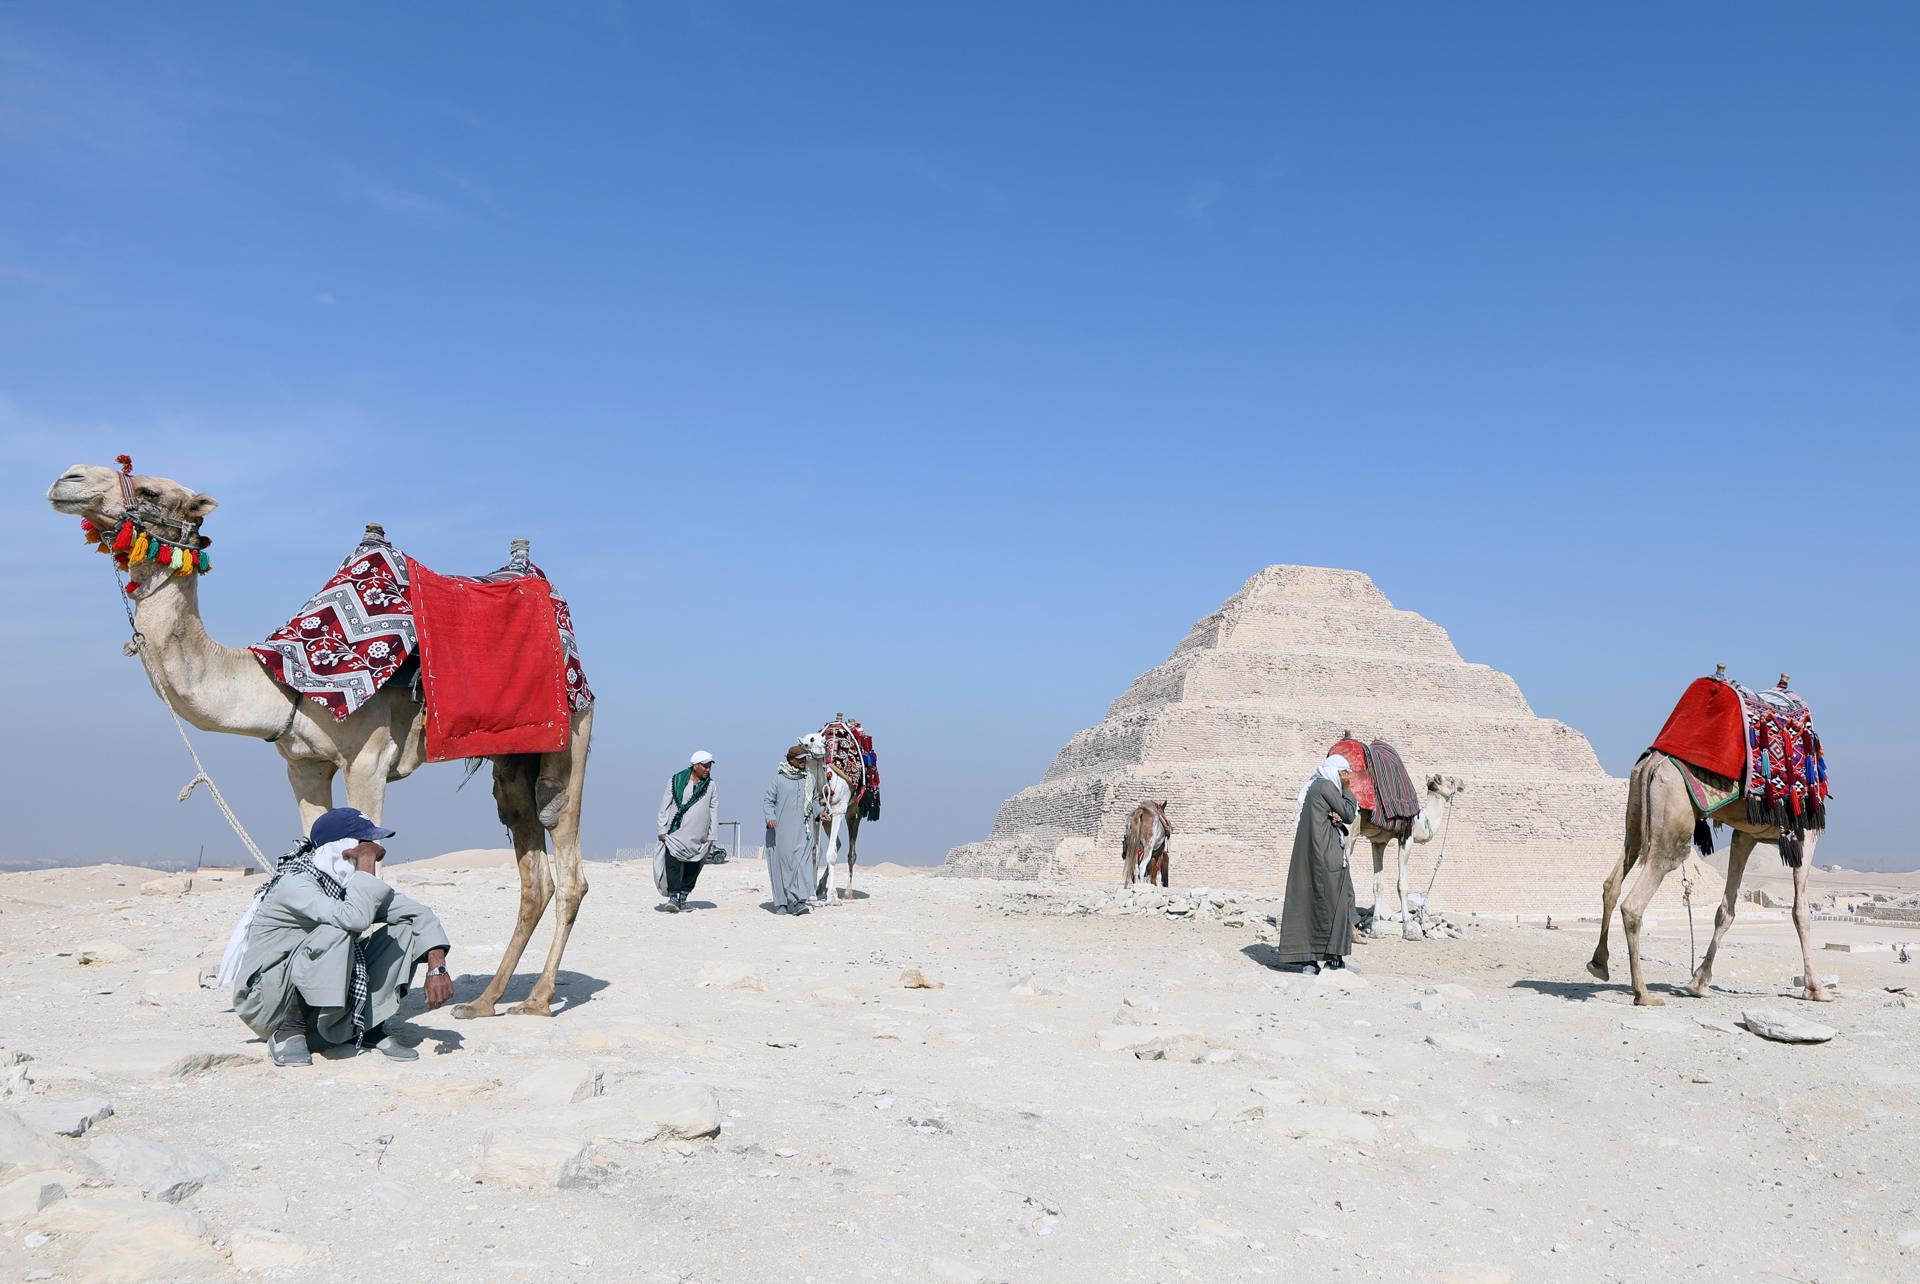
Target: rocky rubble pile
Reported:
[(1198, 904), (1225, 907)]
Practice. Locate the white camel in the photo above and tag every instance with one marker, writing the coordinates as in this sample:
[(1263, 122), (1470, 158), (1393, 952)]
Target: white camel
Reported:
[(224, 689), (1434, 816)]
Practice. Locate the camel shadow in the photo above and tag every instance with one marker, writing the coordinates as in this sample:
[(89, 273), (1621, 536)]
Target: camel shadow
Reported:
[(855, 894), (1586, 991), (664, 908), (576, 988)]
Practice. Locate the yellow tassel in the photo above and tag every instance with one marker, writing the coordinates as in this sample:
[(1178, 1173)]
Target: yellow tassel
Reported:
[(182, 562), (139, 552)]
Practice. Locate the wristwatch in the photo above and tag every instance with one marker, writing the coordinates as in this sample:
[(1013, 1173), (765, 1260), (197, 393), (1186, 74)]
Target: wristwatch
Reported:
[(437, 971)]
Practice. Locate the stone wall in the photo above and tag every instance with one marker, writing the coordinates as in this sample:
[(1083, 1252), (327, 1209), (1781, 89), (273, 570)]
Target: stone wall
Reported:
[(1243, 710)]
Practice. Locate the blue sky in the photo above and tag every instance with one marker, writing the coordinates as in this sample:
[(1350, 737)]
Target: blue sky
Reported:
[(942, 364)]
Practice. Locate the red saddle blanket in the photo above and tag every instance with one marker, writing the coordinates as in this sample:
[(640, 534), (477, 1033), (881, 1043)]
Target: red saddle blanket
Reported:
[(487, 650), (1380, 784), (1764, 740)]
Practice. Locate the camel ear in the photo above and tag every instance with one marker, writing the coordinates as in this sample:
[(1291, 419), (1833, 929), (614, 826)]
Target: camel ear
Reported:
[(199, 506)]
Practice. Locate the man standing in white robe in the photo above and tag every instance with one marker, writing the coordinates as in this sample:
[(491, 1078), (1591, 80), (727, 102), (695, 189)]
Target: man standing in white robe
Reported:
[(687, 815)]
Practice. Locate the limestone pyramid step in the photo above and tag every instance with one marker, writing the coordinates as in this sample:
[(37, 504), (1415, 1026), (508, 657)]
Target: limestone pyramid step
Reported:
[(1232, 723)]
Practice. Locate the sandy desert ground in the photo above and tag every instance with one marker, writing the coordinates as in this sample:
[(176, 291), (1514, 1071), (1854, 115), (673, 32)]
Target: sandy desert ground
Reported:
[(733, 1095)]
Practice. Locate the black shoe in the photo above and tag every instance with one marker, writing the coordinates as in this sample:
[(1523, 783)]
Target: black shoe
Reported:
[(1310, 969)]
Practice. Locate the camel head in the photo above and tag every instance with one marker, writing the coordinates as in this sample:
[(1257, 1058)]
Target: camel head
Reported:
[(163, 510), (1441, 791)]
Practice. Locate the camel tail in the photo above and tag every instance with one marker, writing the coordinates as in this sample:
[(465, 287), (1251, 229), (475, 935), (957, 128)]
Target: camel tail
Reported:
[(1703, 836)]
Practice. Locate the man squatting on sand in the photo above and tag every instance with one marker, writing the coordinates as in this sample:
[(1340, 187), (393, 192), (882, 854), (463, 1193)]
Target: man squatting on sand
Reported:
[(687, 812), (791, 802), (1316, 920), (301, 967)]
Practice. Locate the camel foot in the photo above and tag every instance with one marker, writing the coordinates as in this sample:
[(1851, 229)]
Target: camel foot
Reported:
[(1598, 970), (469, 1011), (1817, 993), (1697, 988), (530, 1008), (1648, 1001), (1409, 933)]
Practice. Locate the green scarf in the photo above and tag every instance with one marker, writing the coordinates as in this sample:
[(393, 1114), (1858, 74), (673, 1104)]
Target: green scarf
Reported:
[(680, 780)]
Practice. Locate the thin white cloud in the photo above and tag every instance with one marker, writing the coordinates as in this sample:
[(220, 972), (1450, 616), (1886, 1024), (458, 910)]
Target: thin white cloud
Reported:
[(1197, 206), (914, 167)]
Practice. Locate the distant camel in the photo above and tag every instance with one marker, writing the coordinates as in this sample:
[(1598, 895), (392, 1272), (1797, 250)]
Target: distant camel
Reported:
[(1143, 850), (1661, 820)]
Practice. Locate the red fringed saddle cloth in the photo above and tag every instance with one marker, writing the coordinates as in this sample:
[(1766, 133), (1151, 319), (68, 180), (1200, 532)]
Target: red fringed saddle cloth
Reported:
[(1762, 740), (1381, 785), (500, 670)]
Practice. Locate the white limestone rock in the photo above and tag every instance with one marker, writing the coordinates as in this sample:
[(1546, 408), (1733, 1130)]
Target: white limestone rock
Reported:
[(66, 1118), (162, 1170), (1785, 1027)]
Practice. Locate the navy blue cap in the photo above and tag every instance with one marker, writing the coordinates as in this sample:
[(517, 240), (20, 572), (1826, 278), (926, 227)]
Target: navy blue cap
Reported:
[(344, 822)]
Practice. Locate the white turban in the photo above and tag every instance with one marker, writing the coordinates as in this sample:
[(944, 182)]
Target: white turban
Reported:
[(1329, 770), (330, 860), (700, 757)]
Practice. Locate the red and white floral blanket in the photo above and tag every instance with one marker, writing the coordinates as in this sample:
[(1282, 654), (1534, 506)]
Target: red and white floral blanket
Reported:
[(353, 636)]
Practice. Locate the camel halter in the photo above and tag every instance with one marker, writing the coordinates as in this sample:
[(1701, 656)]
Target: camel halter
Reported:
[(147, 535)]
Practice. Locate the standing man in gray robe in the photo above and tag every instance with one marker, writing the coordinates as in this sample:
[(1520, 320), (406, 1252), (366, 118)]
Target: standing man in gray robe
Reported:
[(790, 805), (301, 968), (1316, 922), (687, 813)]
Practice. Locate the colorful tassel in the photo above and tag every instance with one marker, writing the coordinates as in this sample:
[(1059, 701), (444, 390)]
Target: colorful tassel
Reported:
[(182, 562), (206, 563), (125, 462), (133, 586), (138, 553), (123, 538)]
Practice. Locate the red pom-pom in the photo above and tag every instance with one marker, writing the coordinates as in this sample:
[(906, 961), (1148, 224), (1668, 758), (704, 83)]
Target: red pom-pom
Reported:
[(86, 525), (133, 587), (125, 462), (123, 538)]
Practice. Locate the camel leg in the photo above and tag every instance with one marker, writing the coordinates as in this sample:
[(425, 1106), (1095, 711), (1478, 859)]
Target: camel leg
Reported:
[(1723, 917), (1653, 870), (1617, 877), (1803, 921), (312, 781), (569, 768), (853, 846), (513, 794), (367, 776), (1407, 930), (1379, 875)]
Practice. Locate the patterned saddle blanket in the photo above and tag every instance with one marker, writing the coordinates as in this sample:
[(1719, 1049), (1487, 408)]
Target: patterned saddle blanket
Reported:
[(1761, 743), (352, 637), (1381, 785)]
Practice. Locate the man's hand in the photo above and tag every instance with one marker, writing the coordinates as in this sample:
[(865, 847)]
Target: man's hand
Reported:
[(773, 824), (439, 988), (660, 837)]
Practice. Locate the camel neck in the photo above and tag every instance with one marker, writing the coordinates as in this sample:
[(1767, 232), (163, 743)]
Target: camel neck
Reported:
[(214, 687)]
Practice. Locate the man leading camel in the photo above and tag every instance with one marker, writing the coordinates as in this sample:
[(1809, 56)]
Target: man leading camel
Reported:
[(1316, 920), (687, 813), (300, 964)]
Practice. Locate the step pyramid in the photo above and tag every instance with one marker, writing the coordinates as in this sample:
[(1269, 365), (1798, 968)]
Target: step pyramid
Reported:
[(1233, 722)]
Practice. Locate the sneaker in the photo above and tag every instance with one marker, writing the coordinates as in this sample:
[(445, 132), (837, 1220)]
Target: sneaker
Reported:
[(679, 902), (387, 1046), (671, 905), (289, 1049), (799, 907)]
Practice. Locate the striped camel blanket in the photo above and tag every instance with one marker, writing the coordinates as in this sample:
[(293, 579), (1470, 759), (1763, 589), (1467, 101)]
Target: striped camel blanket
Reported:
[(1381, 785)]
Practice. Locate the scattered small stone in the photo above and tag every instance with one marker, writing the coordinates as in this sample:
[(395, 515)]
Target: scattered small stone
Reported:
[(914, 979), (98, 952), (1454, 1041)]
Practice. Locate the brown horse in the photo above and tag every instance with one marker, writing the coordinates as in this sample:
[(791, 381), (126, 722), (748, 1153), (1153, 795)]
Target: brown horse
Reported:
[(1143, 851)]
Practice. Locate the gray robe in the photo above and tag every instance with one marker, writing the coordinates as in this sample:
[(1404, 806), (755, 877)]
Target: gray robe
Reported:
[(300, 945), (790, 853), (1317, 919)]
